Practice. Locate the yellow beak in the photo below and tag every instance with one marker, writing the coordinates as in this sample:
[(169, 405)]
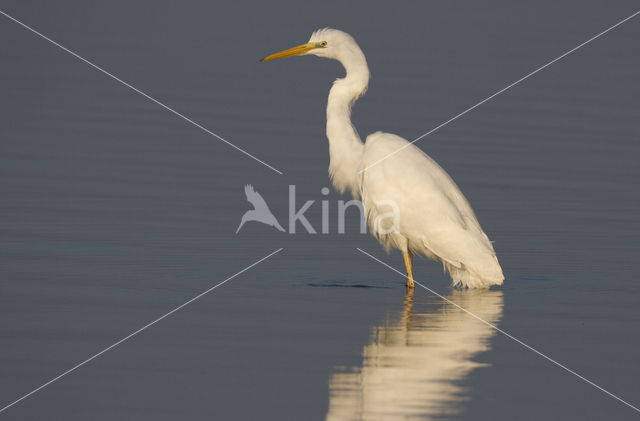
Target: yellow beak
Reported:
[(295, 51)]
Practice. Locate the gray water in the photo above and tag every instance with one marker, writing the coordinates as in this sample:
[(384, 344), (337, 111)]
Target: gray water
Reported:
[(114, 211)]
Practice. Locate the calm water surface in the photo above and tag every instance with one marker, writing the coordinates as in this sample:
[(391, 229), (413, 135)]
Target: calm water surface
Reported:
[(115, 211)]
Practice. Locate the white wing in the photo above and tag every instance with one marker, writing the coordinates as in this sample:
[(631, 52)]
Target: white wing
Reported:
[(435, 217)]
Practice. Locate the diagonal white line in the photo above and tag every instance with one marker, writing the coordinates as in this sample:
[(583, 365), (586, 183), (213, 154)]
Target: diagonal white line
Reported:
[(504, 333), (75, 367), (501, 91), (140, 92)]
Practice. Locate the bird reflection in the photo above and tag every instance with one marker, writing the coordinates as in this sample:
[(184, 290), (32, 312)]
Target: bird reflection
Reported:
[(415, 362)]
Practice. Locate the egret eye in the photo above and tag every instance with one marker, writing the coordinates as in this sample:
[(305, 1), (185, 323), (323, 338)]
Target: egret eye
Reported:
[(323, 44)]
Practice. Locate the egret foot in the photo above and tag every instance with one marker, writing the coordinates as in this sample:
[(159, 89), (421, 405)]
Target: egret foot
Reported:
[(408, 258)]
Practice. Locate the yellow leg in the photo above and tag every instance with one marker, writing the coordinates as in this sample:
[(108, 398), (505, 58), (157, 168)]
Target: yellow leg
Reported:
[(406, 255)]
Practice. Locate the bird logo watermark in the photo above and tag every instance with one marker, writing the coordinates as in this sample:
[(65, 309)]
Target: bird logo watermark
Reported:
[(385, 222), (260, 212)]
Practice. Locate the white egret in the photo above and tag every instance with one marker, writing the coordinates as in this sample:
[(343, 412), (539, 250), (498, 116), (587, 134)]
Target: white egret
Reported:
[(390, 176)]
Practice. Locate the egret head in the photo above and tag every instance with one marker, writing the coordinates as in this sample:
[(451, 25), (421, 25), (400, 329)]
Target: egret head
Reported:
[(327, 42)]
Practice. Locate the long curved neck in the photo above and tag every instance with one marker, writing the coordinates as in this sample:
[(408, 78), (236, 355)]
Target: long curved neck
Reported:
[(345, 146)]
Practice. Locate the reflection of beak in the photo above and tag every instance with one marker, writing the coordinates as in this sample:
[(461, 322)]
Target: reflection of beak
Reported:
[(295, 51)]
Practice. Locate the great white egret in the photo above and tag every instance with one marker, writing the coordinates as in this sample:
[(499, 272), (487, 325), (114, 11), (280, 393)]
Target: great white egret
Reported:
[(430, 215)]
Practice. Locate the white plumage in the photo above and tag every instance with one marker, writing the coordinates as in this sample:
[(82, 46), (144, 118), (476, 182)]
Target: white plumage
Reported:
[(435, 218), (391, 176)]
